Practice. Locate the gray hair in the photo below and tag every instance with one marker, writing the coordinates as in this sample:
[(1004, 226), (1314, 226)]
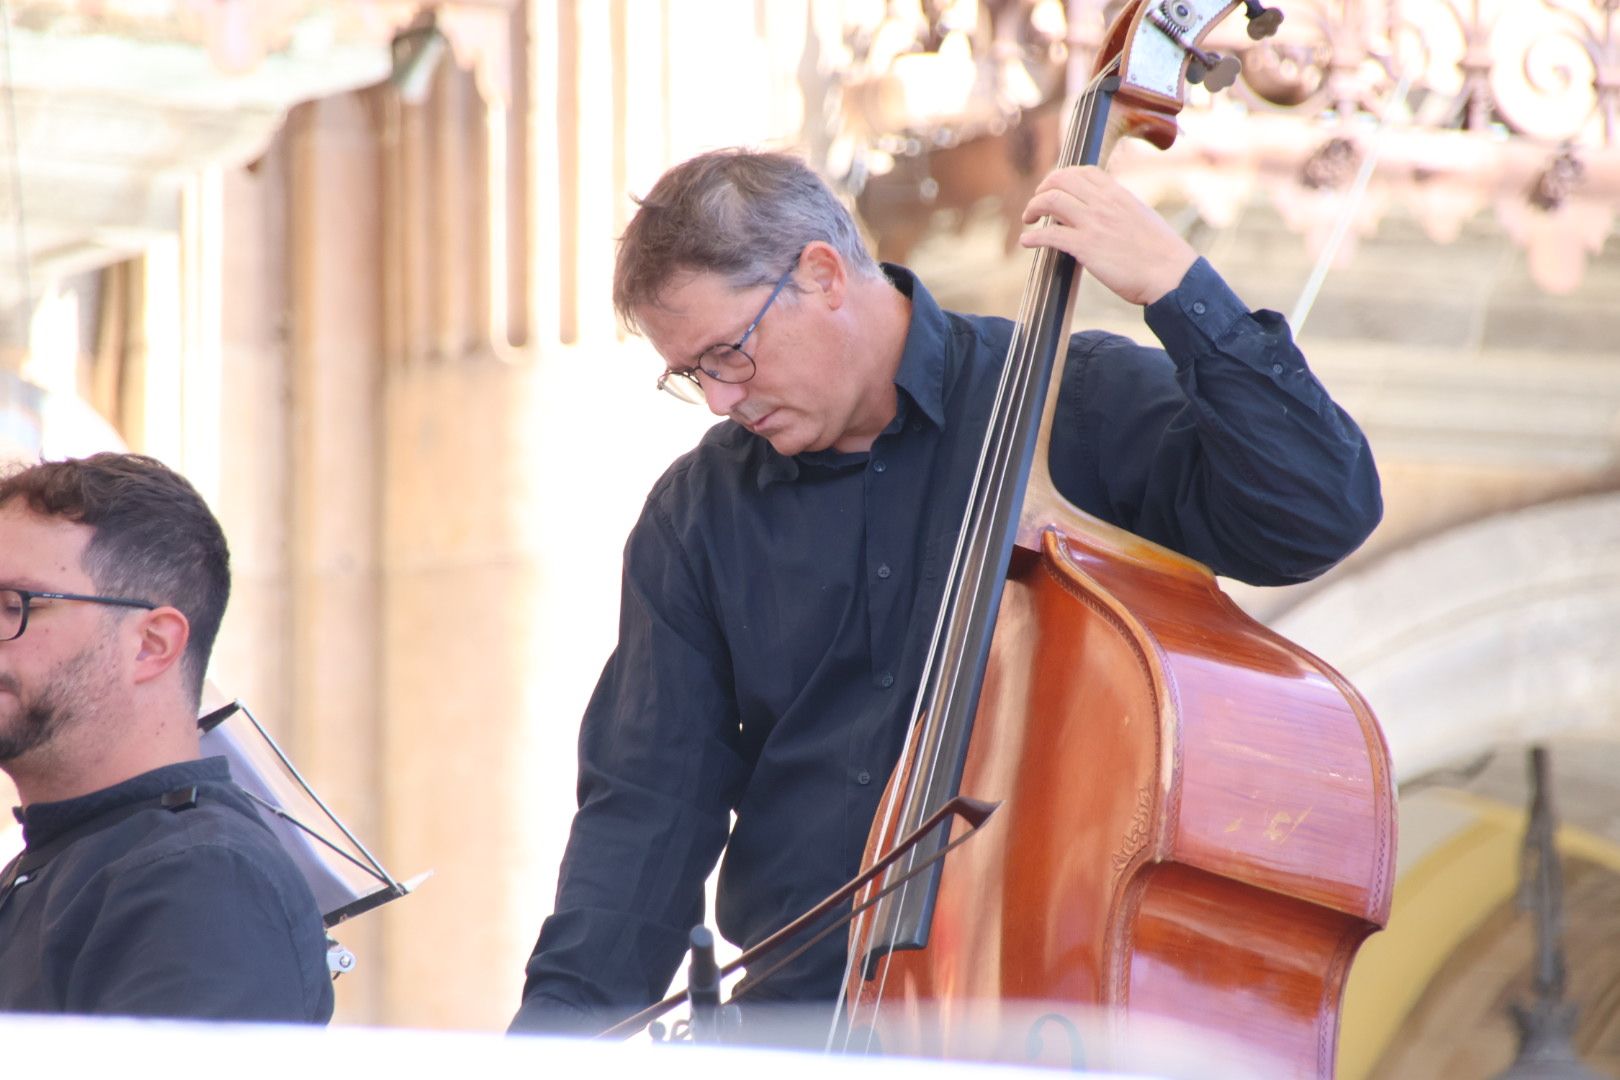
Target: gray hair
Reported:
[(742, 214)]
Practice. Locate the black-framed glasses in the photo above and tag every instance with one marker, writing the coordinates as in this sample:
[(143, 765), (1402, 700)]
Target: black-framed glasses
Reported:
[(14, 605), (722, 363)]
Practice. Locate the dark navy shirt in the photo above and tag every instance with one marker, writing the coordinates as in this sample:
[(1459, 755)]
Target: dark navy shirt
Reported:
[(776, 611), (148, 911)]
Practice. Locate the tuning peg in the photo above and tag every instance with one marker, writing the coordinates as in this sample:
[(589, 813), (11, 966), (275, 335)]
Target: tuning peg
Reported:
[(1215, 71), (1263, 21)]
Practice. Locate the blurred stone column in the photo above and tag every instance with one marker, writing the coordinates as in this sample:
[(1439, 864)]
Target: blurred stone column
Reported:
[(332, 492), (459, 587), (252, 657)]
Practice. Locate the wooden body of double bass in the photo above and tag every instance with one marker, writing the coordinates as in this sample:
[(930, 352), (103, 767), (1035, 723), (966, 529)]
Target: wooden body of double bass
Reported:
[(1197, 817), (1197, 820)]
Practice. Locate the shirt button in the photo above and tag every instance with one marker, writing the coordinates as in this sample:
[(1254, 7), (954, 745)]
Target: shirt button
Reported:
[(879, 465), (1276, 369), (886, 680), (863, 777), (884, 571), (1199, 308)]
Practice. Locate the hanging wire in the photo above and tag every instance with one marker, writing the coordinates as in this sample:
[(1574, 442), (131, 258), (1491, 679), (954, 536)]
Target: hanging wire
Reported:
[(1347, 212)]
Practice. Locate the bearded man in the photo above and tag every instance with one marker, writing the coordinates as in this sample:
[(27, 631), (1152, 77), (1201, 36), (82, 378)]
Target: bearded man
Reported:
[(149, 886)]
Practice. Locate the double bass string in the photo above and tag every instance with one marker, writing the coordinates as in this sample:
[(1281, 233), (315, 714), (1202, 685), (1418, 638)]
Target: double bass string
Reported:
[(1008, 444), (1021, 385), (944, 651), (948, 683)]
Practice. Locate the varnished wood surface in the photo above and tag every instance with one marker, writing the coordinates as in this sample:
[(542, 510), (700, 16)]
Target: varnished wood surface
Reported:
[(1197, 819)]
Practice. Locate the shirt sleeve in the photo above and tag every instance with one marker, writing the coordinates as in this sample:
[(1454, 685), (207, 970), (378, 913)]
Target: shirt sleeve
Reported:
[(201, 932), (1223, 445), (660, 770)]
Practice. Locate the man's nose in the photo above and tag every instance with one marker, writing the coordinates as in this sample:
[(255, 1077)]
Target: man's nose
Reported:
[(722, 397)]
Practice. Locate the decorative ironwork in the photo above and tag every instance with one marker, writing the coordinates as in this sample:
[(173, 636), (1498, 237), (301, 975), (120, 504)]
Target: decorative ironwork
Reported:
[(1511, 106), (1543, 69), (1554, 185), (1333, 165)]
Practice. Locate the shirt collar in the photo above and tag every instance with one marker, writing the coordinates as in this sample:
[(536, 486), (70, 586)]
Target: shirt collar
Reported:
[(42, 822), (922, 364), (920, 378)]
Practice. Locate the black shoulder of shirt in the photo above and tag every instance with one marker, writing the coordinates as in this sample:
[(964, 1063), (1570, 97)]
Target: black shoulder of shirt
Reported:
[(115, 855)]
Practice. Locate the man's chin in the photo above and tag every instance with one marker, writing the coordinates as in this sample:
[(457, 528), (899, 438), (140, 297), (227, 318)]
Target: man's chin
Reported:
[(11, 746), (23, 730), (786, 447), (799, 439), (789, 443)]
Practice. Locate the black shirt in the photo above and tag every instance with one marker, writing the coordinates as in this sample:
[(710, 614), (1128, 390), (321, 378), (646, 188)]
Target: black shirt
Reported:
[(775, 613), (194, 912)]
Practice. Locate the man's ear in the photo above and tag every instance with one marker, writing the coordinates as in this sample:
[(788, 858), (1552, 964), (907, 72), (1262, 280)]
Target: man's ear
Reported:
[(825, 269), (164, 633)]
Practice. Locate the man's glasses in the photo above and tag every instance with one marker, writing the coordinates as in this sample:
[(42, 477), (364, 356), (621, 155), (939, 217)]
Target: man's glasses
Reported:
[(722, 363), (14, 605)]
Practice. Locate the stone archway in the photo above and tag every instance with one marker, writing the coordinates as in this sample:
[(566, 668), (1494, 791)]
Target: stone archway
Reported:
[(1471, 646), (1501, 632)]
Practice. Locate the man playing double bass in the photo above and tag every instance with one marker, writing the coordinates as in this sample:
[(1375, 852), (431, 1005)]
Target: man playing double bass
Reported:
[(782, 584)]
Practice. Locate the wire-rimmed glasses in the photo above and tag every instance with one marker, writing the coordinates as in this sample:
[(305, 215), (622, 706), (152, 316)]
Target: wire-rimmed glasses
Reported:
[(15, 603), (722, 363)]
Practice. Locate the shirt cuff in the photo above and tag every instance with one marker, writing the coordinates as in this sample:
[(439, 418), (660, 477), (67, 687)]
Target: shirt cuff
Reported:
[(1189, 319)]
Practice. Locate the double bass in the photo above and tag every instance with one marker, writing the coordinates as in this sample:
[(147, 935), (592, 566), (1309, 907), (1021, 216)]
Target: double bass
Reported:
[(1194, 817)]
